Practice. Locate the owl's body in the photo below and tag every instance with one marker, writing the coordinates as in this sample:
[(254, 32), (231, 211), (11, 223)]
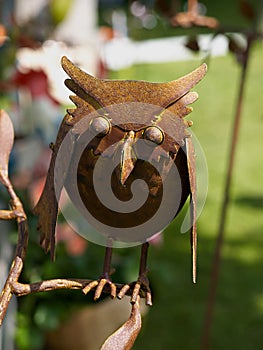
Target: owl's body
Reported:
[(120, 134), (142, 171)]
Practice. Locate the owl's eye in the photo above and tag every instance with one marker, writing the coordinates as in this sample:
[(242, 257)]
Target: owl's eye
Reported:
[(100, 126), (153, 134)]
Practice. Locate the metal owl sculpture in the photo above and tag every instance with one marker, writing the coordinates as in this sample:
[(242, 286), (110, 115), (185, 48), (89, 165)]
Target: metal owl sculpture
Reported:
[(127, 162)]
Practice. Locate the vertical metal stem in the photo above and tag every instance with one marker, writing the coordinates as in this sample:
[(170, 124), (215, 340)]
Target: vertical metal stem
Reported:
[(205, 344), (107, 262), (143, 260)]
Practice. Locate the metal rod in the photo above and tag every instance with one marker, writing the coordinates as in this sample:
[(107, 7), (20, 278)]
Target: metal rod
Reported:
[(208, 322), (143, 260), (107, 263)]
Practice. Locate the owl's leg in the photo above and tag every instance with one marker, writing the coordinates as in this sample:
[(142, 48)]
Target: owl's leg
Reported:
[(142, 285), (105, 278)]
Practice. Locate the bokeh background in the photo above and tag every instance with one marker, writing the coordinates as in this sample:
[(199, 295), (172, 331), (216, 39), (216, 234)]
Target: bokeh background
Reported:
[(139, 40)]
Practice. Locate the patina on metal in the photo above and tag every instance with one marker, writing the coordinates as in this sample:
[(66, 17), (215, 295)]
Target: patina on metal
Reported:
[(92, 94)]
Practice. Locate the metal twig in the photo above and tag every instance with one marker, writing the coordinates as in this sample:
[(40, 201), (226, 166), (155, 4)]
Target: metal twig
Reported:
[(17, 264)]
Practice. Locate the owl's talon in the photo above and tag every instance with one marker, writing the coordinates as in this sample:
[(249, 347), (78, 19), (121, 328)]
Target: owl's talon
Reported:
[(113, 290), (99, 285), (149, 298), (99, 288), (105, 279), (135, 292), (123, 291), (89, 287), (142, 284), (140, 287)]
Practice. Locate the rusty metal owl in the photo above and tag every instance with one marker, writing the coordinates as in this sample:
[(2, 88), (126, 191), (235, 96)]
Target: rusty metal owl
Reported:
[(127, 162)]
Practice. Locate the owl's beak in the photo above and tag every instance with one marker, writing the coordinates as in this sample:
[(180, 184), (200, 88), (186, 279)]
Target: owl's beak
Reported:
[(127, 158)]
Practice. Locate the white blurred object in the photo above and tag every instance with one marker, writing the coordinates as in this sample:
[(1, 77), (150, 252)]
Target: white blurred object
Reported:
[(48, 59), (27, 9), (76, 37), (123, 52), (79, 26)]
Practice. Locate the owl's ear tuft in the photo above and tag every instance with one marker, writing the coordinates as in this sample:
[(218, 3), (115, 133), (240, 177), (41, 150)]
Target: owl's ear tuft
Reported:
[(183, 85), (109, 92), (76, 74)]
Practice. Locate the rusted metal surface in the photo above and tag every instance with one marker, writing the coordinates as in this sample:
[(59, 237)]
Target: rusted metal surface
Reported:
[(125, 336), (167, 105), (16, 212), (156, 107)]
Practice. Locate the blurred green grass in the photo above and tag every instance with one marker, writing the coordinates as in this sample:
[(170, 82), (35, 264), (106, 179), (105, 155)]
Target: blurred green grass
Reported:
[(176, 319)]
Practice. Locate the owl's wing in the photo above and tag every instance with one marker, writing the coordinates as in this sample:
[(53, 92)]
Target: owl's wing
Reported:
[(193, 202), (177, 112), (47, 206), (172, 119)]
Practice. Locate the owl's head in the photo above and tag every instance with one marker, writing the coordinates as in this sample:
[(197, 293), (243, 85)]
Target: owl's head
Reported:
[(140, 118)]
